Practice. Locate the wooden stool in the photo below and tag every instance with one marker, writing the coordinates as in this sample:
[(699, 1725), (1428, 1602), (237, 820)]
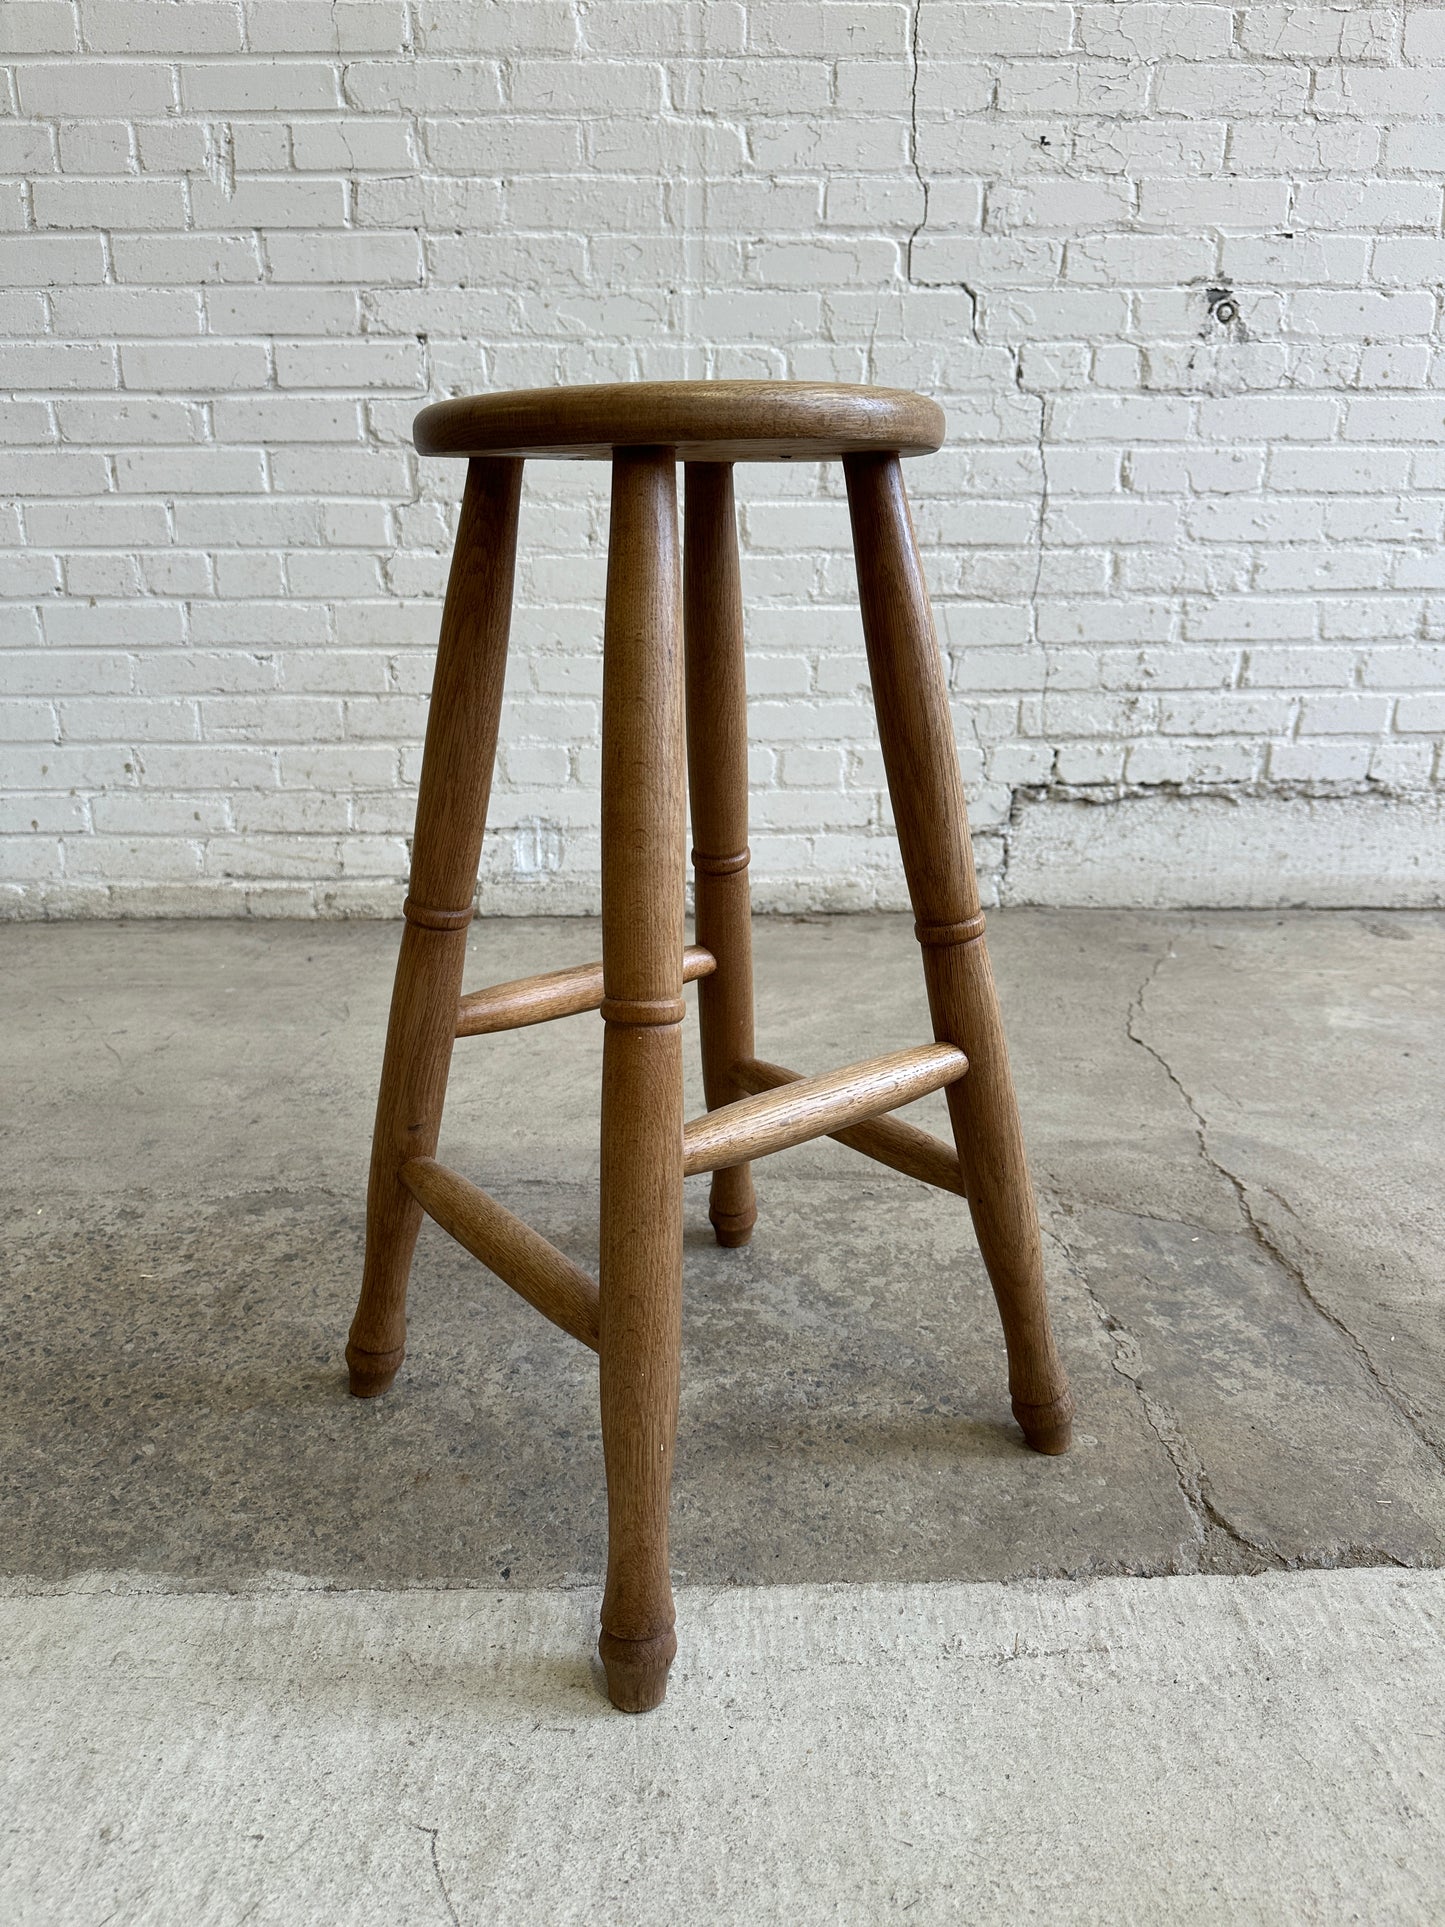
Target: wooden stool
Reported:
[(634, 1319)]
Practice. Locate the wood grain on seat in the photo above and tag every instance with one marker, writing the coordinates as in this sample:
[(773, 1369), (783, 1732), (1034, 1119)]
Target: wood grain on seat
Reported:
[(704, 421)]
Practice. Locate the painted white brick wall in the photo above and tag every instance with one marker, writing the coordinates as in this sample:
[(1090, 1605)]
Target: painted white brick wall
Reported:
[(1174, 271)]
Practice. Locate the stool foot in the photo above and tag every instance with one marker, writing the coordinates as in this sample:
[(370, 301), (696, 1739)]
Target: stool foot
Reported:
[(637, 1669), (1047, 1428), (733, 1228), (371, 1373)]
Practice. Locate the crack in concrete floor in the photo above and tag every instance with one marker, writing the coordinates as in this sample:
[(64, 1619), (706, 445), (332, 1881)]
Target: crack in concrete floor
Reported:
[(1292, 1270), (175, 1402), (1208, 1521), (433, 1835)]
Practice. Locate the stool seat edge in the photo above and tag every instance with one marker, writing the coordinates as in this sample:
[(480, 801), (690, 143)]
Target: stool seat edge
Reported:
[(720, 421)]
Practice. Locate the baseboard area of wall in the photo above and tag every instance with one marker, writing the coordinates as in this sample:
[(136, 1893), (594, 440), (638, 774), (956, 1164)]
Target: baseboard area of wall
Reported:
[(1139, 851), (1255, 852)]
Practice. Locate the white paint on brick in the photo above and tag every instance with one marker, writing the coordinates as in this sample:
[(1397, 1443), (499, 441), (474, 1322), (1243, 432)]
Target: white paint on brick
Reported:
[(1174, 271), (1247, 850)]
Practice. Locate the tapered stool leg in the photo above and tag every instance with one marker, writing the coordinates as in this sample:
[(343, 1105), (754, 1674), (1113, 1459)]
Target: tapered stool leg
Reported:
[(456, 777), (921, 762), (717, 764), (643, 861)]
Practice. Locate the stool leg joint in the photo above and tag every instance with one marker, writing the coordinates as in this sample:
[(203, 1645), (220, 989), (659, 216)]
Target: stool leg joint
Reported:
[(721, 866)]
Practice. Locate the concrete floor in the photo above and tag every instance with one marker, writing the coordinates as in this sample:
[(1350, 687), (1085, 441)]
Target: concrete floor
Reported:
[(1234, 1126), (1205, 1750)]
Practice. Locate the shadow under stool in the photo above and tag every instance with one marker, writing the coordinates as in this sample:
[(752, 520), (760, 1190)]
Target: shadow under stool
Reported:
[(673, 674)]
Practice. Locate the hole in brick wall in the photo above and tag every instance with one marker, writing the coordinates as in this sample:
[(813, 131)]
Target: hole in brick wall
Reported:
[(1223, 305)]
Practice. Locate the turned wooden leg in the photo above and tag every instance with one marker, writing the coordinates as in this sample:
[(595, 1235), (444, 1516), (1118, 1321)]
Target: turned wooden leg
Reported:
[(717, 763), (921, 762), (643, 862), (456, 778)]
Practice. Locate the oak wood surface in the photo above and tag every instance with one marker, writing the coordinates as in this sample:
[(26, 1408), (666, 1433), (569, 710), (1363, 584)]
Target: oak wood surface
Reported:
[(717, 768), (921, 763), (456, 779), (557, 993), (521, 1257), (633, 1315), (643, 857), (714, 421), (888, 1140), (810, 1107)]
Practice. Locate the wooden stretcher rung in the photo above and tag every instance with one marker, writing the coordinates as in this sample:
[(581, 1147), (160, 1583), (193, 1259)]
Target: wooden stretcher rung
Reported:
[(560, 993), (903, 1147), (812, 1107), (520, 1256)]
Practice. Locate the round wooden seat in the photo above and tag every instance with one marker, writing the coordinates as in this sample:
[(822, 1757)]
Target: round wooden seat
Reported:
[(703, 421)]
